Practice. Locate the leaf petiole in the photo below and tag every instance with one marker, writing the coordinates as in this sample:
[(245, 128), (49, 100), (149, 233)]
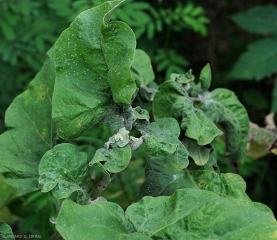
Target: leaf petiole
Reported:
[(100, 186)]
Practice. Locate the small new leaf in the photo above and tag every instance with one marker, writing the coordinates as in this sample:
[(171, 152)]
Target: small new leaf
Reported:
[(115, 159), (141, 114), (205, 78), (182, 78), (120, 139)]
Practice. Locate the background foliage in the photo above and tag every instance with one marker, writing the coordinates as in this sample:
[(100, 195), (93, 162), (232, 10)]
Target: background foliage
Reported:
[(177, 35)]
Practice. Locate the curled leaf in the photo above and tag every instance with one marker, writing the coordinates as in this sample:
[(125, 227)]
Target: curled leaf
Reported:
[(223, 107), (93, 58)]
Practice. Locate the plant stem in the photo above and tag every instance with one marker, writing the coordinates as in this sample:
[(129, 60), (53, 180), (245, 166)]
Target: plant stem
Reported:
[(101, 186), (58, 206), (232, 165), (195, 99), (56, 236)]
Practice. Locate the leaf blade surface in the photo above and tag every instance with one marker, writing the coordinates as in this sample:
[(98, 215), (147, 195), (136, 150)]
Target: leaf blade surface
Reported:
[(30, 131)]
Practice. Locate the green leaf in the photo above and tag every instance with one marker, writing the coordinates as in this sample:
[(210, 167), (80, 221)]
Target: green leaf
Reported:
[(120, 139), (7, 193), (141, 70), (200, 214), (100, 220), (200, 154), (163, 177), (223, 107), (205, 77), (228, 185), (163, 141), (182, 78), (196, 124), (7, 30), (6, 231), (64, 170), (30, 131), (168, 93), (93, 58), (116, 159), (172, 100), (257, 62), (259, 19), (141, 114)]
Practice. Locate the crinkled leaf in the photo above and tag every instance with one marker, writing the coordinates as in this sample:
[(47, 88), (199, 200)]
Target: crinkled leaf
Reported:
[(100, 220), (6, 231), (141, 69), (200, 154), (223, 107), (171, 100), (120, 139), (116, 159), (257, 62), (260, 19), (64, 170), (30, 131), (227, 185), (93, 58), (141, 114), (196, 124), (200, 214), (182, 78), (163, 141), (163, 177)]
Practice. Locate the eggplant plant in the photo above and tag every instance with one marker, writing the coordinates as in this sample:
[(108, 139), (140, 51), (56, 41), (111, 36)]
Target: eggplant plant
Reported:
[(94, 74)]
